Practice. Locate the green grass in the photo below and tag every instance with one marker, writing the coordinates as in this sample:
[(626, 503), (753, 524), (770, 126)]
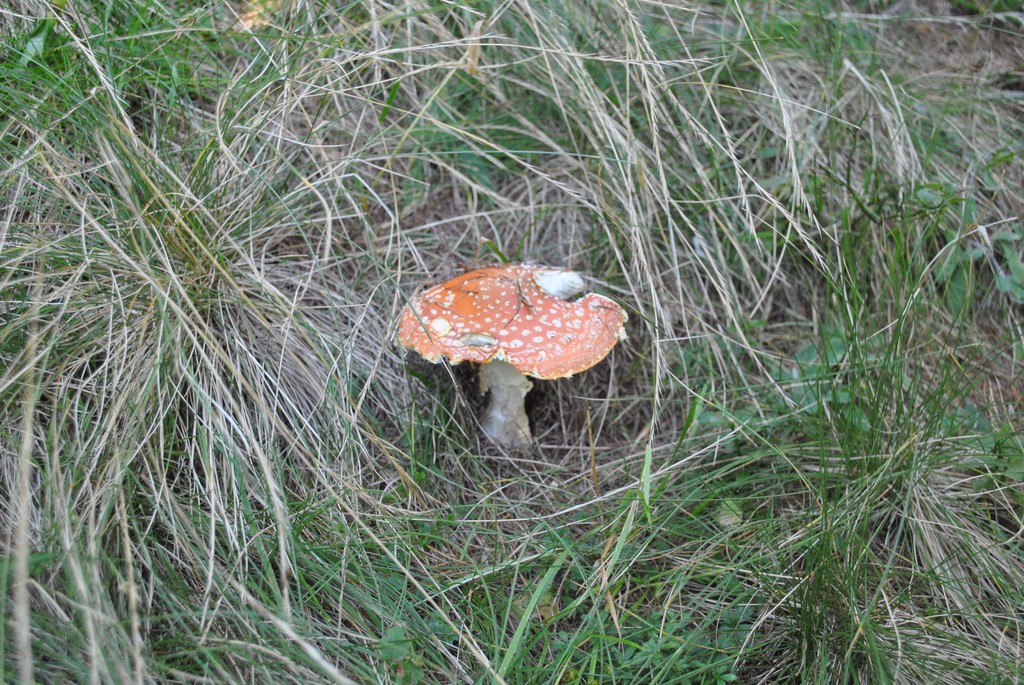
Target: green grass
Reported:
[(805, 464)]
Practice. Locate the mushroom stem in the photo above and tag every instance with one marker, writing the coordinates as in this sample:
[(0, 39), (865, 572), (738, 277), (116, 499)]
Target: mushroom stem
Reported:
[(505, 421)]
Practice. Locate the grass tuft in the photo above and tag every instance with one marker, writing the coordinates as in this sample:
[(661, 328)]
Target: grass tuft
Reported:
[(804, 465)]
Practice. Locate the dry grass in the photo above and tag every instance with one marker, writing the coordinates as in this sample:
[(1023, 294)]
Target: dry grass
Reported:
[(217, 466)]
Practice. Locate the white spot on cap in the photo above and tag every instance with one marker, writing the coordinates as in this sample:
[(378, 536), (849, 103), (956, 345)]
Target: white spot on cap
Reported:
[(478, 340), (440, 326), (558, 283)]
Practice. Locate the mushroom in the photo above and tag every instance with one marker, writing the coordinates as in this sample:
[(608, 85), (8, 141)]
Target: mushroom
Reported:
[(515, 321)]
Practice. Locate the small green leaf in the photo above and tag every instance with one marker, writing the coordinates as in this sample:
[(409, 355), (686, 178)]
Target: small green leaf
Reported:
[(496, 251), (931, 194), (412, 672), (35, 46), (1006, 237), (712, 418), (835, 350), (807, 354), (730, 514), (856, 418), (975, 251), (392, 94), (841, 396), (694, 413), (948, 263), (956, 292), (394, 646)]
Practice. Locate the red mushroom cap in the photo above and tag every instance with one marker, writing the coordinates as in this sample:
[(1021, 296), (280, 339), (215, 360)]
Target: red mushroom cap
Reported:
[(500, 312)]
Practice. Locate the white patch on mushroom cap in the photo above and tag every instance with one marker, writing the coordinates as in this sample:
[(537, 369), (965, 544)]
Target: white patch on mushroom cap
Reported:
[(440, 326), (558, 283), (478, 340)]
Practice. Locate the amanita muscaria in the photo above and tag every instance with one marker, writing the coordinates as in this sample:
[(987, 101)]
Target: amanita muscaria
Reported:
[(515, 321)]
